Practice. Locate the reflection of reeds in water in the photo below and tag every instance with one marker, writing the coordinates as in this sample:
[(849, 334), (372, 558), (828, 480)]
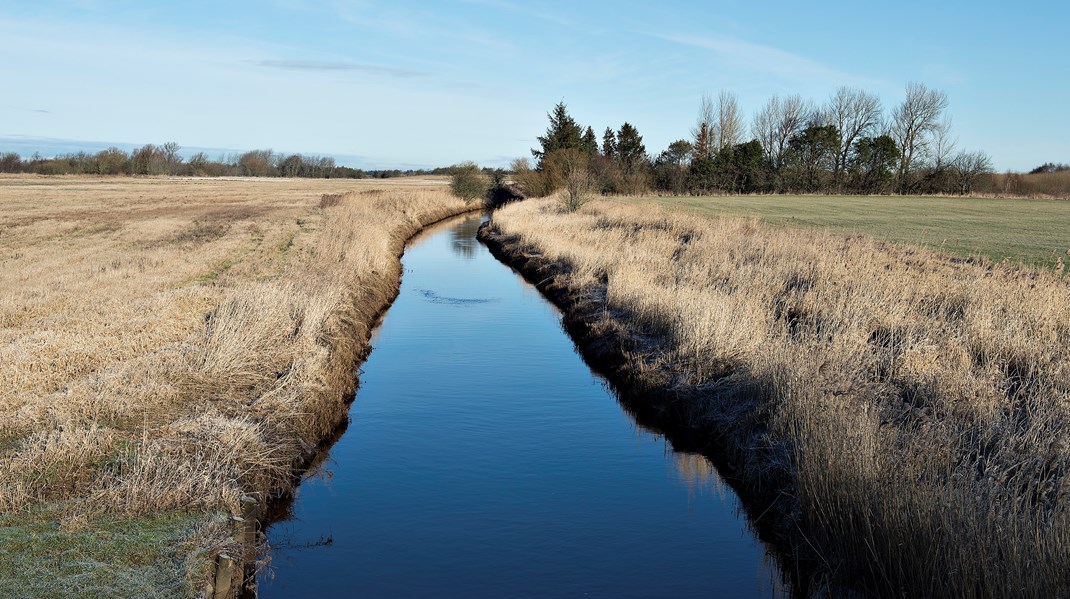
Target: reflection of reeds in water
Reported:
[(701, 476), (698, 473)]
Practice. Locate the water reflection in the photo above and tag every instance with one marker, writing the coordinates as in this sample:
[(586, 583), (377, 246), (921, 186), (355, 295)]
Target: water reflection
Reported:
[(698, 473), (463, 237), (435, 298)]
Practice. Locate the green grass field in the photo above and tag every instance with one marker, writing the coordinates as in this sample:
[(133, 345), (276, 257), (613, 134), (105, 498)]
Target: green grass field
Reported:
[(1034, 232), (43, 555)]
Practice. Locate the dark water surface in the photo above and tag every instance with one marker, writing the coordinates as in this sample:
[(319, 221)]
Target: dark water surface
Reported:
[(485, 459)]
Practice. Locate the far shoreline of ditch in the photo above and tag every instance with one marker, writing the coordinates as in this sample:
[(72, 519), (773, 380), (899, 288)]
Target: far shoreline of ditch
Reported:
[(757, 475)]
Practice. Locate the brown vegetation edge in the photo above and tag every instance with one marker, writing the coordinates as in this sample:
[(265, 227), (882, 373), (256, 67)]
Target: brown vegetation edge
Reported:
[(664, 407), (359, 335)]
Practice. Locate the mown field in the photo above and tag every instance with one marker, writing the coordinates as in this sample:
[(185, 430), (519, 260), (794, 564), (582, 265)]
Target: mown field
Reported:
[(169, 348), (1033, 232)]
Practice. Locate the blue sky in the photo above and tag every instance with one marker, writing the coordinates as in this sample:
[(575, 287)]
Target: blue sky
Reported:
[(411, 84)]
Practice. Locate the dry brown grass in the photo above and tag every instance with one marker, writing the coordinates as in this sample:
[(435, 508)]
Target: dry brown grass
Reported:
[(177, 344), (1042, 185), (913, 410)]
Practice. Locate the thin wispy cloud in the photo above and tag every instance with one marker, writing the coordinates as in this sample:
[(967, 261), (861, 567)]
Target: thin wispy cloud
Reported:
[(335, 66), (766, 59), (523, 9), (404, 22), (10, 108)]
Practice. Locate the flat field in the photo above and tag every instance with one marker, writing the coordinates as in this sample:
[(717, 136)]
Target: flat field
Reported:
[(170, 346), (1030, 231)]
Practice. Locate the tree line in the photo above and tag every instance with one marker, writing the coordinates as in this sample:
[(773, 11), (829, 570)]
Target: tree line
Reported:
[(1050, 167), (847, 144), (164, 159)]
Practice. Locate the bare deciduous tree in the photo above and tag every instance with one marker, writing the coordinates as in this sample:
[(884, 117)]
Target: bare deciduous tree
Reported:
[(257, 163), (110, 161), (10, 162), (570, 169), (968, 167), (325, 164), (776, 123), (290, 166), (763, 127), (702, 145), (943, 145), (914, 123), (169, 158), (729, 126), (856, 114), (531, 182)]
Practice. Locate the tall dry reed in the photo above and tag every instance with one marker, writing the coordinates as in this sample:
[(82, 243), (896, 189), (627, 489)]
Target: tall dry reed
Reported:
[(1043, 185), (912, 410)]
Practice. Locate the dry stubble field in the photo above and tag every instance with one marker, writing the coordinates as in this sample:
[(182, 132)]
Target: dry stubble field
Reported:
[(168, 347)]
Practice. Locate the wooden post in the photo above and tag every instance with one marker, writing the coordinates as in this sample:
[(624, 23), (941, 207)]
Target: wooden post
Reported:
[(249, 508), (224, 574)]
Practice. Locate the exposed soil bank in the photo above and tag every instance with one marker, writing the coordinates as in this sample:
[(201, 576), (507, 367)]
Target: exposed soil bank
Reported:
[(609, 341)]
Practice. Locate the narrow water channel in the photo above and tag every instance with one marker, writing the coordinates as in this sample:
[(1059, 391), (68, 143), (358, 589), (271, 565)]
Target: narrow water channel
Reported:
[(485, 459)]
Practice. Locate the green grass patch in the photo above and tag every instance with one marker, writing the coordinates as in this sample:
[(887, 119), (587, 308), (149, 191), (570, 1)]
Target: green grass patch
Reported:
[(219, 270), (1033, 232), (287, 243), (225, 265), (45, 553)]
